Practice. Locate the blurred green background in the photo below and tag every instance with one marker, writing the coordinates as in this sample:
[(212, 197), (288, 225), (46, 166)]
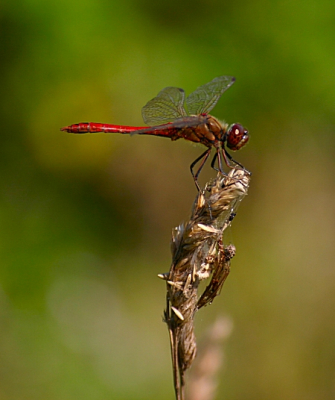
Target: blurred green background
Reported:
[(85, 220)]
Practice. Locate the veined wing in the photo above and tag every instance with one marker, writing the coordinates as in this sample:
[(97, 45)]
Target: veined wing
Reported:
[(203, 99), (166, 107)]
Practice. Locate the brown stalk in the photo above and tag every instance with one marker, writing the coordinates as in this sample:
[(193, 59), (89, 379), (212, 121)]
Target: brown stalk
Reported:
[(203, 377), (198, 253)]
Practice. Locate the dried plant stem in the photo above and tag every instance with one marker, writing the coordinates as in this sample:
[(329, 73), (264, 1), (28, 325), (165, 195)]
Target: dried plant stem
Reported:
[(197, 254), (203, 377)]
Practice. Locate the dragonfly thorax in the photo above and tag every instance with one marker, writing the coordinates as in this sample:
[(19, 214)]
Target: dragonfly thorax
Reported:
[(215, 130)]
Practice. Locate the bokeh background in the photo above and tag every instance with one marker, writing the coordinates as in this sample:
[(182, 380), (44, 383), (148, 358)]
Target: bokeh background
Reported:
[(85, 220)]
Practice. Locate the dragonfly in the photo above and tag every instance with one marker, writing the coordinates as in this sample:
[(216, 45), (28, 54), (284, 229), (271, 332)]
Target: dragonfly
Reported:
[(172, 116)]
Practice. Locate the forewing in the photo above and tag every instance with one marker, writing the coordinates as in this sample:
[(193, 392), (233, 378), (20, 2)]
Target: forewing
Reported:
[(203, 99), (167, 106)]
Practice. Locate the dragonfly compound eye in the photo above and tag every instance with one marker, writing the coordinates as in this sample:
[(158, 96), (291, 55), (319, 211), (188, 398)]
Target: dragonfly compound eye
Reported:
[(236, 137)]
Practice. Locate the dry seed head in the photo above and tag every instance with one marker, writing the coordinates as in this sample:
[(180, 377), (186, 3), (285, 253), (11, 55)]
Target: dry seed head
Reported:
[(197, 254)]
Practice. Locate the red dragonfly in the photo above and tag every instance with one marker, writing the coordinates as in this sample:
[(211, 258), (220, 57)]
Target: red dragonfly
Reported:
[(170, 115)]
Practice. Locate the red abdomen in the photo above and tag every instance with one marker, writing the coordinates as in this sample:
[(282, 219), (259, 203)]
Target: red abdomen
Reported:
[(92, 127)]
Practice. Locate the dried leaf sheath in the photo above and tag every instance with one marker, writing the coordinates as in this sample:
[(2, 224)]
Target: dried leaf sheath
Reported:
[(198, 253)]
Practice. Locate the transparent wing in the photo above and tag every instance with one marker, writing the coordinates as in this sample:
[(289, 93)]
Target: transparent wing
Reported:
[(203, 99), (167, 106)]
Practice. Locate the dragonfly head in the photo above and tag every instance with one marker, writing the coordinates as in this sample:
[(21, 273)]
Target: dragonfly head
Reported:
[(236, 136)]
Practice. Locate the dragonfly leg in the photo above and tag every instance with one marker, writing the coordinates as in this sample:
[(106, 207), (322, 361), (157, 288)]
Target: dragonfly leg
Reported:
[(218, 157), (227, 156), (203, 158), (213, 161)]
